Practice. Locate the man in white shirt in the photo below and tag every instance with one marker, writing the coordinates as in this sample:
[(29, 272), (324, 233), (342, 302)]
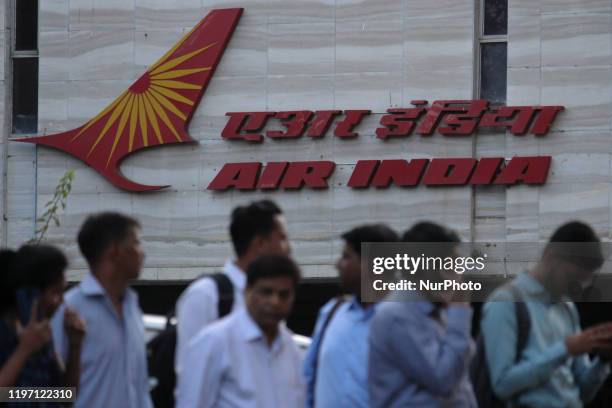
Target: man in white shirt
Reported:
[(248, 359), (255, 229)]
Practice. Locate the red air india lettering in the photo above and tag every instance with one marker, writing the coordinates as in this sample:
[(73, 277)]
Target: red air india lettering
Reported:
[(289, 176), (449, 172), (241, 176), (294, 122), (384, 173), (448, 118), (246, 125), (321, 122), (399, 172)]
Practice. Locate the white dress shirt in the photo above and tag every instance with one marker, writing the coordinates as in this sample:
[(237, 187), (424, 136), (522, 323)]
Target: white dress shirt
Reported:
[(197, 307), (230, 364)]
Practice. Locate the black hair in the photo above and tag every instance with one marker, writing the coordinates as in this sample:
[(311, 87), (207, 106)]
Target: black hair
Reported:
[(39, 266), (272, 266), (369, 233), (250, 221), (100, 231), (8, 284), (577, 243), (426, 231)]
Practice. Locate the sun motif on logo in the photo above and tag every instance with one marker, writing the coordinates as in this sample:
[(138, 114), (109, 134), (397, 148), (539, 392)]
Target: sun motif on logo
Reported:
[(156, 109), (149, 100)]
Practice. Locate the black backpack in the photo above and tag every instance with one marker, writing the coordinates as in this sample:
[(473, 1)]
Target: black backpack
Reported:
[(161, 349), (479, 369)]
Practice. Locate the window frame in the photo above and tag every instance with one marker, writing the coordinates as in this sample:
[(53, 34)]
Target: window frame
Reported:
[(481, 39), (22, 54)]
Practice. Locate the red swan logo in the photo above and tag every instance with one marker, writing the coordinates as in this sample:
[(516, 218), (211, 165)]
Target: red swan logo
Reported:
[(156, 109)]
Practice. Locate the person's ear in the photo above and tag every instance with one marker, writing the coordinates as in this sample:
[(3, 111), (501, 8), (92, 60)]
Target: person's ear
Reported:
[(113, 251), (549, 260), (257, 244), (247, 293)]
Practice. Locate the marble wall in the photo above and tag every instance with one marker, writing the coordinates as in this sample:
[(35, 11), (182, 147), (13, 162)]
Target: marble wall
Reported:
[(320, 54), (4, 46), (560, 53)]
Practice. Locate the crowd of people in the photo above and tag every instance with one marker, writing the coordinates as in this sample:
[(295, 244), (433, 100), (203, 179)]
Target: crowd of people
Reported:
[(231, 347)]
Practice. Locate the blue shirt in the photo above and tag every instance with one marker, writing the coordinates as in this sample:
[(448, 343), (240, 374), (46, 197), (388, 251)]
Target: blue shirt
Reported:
[(113, 358), (417, 360), (545, 375), (342, 372)]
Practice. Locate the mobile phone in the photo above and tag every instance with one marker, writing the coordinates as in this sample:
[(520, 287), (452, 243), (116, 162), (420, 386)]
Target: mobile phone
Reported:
[(605, 355), (25, 300)]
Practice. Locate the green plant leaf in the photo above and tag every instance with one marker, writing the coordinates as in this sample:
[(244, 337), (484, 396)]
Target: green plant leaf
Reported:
[(60, 198)]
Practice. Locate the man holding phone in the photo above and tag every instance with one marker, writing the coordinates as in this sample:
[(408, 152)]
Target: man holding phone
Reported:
[(420, 344), (33, 282), (554, 368)]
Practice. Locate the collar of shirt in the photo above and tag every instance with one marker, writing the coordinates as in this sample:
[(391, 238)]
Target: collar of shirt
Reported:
[(534, 289), (414, 300), (424, 306), (435, 311), (251, 331), (90, 286), (355, 306), (236, 275)]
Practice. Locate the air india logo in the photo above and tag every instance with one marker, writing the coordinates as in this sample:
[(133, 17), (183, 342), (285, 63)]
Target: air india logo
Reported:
[(156, 109)]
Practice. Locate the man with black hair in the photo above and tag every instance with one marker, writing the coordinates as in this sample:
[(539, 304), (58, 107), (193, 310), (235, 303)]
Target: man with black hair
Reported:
[(248, 359), (255, 229), (420, 344), (336, 363), (553, 368), (113, 358), (33, 282)]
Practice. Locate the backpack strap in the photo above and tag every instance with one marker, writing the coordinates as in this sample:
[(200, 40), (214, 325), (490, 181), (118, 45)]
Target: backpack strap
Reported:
[(225, 288), (339, 301), (523, 321)]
